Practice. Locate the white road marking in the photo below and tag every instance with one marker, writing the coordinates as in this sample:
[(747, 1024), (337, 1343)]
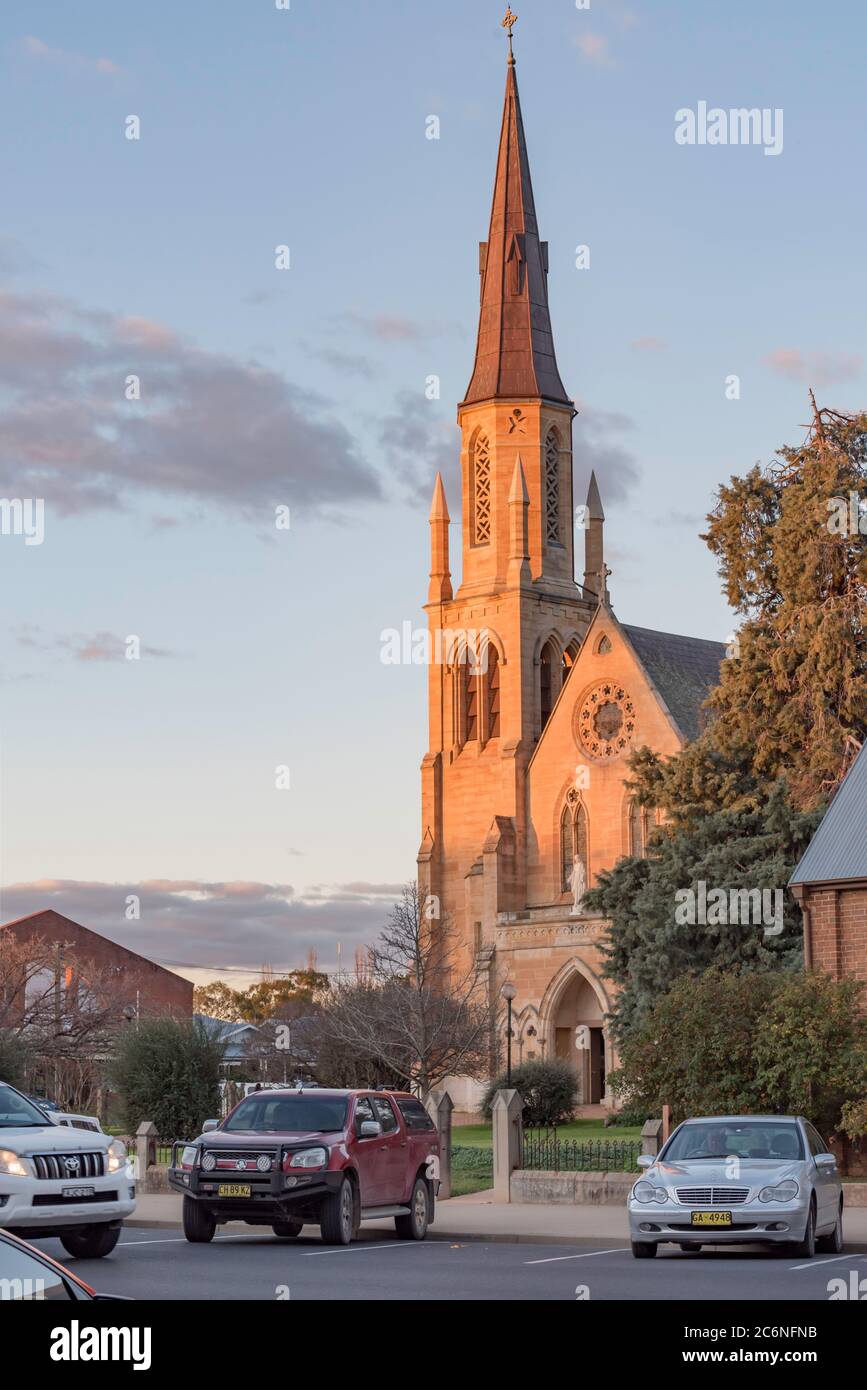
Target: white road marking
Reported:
[(835, 1259), (179, 1240), (353, 1249), (588, 1254)]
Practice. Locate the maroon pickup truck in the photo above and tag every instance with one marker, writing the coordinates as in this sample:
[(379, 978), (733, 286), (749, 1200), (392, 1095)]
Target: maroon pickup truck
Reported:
[(336, 1158)]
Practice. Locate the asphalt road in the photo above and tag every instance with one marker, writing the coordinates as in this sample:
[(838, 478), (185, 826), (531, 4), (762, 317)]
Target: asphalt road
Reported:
[(160, 1264)]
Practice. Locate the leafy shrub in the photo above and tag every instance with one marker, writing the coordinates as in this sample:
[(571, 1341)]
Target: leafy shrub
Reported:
[(632, 1115), (168, 1072), (548, 1090), (736, 1042)]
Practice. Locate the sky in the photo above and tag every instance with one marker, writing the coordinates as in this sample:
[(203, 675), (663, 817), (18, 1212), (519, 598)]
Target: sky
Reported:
[(245, 789)]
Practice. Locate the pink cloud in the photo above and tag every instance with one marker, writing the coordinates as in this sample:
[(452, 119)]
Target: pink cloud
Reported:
[(594, 48), (817, 368), (649, 344), (38, 48)]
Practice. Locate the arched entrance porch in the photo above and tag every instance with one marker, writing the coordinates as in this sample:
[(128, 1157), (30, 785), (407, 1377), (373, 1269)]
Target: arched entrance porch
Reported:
[(573, 1011)]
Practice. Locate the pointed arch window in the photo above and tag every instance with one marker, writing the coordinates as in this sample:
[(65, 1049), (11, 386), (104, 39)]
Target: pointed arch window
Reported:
[(568, 661), (638, 827), (574, 841), (492, 692), (546, 683), (566, 849), (552, 488), (469, 686), (481, 491), (581, 847)]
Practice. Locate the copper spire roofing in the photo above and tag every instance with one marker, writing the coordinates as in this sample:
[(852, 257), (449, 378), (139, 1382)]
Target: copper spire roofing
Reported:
[(515, 348)]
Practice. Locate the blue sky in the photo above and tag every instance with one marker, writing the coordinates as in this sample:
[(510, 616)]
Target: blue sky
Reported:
[(305, 388)]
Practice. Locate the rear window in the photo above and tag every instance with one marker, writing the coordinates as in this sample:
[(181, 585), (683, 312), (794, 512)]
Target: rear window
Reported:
[(414, 1113), (267, 1113)]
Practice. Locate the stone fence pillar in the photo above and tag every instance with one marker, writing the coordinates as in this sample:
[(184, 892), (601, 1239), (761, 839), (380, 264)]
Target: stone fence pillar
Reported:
[(651, 1137), (439, 1107), (506, 1116), (145, 1149)]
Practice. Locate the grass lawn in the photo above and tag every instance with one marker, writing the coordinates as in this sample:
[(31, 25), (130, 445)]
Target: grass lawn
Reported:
[(467, 1180), (479, 1136)]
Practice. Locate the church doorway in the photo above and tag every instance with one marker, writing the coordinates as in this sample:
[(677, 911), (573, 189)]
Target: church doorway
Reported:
[(579, 1038)]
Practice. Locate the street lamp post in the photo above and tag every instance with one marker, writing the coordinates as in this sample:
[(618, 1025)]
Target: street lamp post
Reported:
[(508, 992)]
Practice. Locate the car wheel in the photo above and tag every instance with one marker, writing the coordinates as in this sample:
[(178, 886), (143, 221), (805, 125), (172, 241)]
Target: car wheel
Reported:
[(832, 1243), (199, 1224), (414, 1225), (289, 1228), (807, 1246), (91, 1242), (337, 1215), (644, 1249)]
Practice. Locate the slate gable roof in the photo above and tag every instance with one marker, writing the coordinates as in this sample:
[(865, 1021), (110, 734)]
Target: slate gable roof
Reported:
[(683, 669), (838, 850)]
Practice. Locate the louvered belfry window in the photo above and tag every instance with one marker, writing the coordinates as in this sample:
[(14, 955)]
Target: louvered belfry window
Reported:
[(552, 487), (470, 695), (481, 491), (546, 694), (493, 689)]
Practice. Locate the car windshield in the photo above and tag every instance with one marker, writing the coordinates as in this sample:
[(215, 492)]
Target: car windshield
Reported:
[(16, 1111), (278, 1114), (769, 1139)]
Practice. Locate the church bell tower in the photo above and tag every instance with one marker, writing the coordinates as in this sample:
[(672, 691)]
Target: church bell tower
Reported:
[(504, 640)]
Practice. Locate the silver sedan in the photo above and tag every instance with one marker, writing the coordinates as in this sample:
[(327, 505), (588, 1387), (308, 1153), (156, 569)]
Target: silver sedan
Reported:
[(735, 1179)]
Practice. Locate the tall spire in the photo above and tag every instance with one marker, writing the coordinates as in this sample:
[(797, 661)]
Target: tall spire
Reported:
[(596, 571), (515, 349), (440, 589)]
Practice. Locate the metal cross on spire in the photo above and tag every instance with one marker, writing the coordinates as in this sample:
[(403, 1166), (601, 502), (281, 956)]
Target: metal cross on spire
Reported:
[(509, 23)]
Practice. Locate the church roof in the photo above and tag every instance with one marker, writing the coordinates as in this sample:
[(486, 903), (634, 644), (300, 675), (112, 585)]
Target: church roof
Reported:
[(515, 347), (838, 850), (683, 669)]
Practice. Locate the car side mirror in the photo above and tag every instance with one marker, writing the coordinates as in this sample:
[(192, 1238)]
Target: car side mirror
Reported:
[(209, 1125), (645, 1160), (826, 1161), (369, 1129)]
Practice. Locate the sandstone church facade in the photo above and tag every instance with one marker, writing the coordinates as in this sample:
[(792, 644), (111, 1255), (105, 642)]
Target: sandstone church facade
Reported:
[(538, 692)]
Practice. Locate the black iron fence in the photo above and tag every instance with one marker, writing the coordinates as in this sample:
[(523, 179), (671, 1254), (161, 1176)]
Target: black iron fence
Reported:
[(544, 1150)]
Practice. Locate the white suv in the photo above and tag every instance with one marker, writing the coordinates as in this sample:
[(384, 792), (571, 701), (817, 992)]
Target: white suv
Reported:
[(58, 1181)]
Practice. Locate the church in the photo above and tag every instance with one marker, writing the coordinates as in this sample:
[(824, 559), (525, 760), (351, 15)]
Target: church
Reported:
[(538, 692)]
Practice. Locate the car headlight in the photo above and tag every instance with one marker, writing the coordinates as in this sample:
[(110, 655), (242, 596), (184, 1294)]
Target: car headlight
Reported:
[(646, 1192), (308, 1158), (783, 1192), (189, 1156), (117, 1155), (13, 1165)]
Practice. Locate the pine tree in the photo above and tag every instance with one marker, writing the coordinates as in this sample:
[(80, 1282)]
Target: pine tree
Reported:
[(793, 561)]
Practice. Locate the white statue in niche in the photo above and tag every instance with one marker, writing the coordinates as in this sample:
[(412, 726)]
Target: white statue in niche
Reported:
[(577, 885)]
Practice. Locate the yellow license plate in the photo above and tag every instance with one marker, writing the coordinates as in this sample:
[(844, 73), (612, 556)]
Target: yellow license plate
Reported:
[(711, 1218), (234, 1189)]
